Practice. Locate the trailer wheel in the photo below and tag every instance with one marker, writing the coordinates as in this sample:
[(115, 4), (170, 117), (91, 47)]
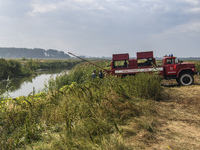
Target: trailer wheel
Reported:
[(186, 79)]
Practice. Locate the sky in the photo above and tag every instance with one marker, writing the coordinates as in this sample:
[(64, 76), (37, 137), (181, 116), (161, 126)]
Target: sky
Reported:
[(103, 27)]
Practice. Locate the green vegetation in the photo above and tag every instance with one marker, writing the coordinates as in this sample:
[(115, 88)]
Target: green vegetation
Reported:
[(77, 112), (26, 67), (197, 65)]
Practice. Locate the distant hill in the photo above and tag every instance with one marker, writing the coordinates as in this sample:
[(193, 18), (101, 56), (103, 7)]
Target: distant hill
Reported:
[(31, 53)]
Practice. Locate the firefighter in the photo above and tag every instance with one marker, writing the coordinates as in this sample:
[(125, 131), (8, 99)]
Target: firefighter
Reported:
[(100, 74), (94, 74), (125, 64)]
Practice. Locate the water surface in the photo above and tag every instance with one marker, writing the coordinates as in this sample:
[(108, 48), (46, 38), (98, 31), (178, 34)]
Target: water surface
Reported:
[(26, 85)]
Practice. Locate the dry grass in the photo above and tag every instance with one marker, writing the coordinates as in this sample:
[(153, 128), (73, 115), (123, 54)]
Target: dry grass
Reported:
[(177, 123), (184, 95)]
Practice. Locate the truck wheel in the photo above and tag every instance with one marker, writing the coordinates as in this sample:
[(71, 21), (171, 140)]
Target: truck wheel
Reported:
[(177, 80), (186, 79)]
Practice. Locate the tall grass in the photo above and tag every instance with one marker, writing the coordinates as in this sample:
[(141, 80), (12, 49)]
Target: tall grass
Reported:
[(197, 65), (141, 85), (81, 73), (78, 112)]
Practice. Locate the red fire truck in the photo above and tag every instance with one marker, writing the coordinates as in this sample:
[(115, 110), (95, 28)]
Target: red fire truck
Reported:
[(171, 68)]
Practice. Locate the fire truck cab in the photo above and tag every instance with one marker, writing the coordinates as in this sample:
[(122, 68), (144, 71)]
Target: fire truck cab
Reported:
[(176, 69)]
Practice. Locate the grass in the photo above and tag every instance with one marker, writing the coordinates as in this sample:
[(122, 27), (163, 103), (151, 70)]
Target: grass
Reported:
[(77, 112)]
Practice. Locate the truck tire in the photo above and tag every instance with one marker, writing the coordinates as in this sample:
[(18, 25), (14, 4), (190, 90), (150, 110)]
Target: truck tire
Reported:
[(186, 79)]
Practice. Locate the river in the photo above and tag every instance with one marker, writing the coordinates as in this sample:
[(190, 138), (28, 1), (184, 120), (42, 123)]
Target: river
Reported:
[(24, 86)]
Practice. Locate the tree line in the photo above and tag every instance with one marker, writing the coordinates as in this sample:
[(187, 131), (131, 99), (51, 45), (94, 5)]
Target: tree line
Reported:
[(31, 53)]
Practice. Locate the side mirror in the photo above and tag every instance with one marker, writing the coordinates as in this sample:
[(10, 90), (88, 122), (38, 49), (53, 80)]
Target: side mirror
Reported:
[(180, 61)]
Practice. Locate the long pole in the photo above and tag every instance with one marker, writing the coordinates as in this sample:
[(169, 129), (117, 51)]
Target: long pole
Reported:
[(87, 61)]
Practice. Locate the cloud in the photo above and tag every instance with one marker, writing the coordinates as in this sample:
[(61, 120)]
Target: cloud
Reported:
[(192, 2), (195, 10), (43, 9), (189, 29)]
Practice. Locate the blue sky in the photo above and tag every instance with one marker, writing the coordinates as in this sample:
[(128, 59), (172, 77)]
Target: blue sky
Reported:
[(103, 27)]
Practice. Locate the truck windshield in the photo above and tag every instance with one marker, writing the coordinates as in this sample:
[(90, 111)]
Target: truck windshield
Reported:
[(170, 61)]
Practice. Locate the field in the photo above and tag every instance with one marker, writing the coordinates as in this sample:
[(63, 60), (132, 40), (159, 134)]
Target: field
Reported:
[(78, 112)]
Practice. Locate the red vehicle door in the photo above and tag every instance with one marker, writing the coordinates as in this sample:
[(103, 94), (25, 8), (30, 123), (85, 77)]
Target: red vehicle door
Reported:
[(170, 67)]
